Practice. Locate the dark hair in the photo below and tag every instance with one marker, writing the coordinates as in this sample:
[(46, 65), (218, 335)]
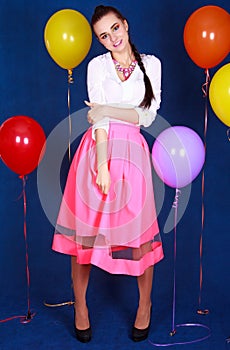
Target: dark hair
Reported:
[(101, 11)]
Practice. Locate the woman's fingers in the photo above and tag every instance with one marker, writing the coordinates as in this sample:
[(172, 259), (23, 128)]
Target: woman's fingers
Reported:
[(89, 104), (90, 117), (96, 112), (104, 187)]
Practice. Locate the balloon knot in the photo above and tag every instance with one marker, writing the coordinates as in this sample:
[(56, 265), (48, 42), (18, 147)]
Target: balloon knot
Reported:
[(70, 76)]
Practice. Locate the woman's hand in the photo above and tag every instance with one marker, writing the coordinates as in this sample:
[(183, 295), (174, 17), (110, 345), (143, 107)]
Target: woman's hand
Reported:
[(103, 179), (96, 112)]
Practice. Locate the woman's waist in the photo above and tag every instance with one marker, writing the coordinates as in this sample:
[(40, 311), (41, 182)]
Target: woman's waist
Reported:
[(122, 126)]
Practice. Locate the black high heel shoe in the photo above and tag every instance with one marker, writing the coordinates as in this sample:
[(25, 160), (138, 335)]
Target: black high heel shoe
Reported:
[(141, 334), (83, 335)]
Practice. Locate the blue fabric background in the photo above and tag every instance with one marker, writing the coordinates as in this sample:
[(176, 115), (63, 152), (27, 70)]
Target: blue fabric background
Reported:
[(32, 84)]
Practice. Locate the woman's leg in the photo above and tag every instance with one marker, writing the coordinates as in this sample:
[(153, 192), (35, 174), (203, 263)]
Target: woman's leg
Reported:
[(145, 288), (80, 278)]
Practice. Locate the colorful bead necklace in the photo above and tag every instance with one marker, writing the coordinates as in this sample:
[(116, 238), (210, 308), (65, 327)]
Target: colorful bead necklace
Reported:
[(125, 71)]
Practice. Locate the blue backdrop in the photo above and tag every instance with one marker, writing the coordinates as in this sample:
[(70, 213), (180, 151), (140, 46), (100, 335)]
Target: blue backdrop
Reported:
[(33, 85)]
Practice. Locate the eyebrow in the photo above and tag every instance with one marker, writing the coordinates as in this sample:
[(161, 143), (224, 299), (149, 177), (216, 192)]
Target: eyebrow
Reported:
[(110, 28)]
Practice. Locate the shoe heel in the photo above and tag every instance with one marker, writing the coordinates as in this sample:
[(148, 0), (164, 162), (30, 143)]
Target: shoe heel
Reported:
[(83, 335), (141, 334)]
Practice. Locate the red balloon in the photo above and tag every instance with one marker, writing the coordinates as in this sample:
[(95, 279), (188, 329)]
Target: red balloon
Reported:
[(207, 36), (22, 144)]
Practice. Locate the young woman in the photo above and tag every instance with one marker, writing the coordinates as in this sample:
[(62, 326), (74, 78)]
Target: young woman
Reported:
[(107, 216)]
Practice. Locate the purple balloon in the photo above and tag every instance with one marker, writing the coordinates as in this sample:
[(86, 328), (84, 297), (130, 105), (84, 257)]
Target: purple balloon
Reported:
[(178, 155)]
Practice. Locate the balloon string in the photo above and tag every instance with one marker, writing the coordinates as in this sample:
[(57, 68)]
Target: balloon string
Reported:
[(200, 311), (187, 342), (70, 81), (29, 316), (59, 304), (228, 134), (70, 302), (23, 319), (175, 206), (205, 88), (174, 327), (176, 201)]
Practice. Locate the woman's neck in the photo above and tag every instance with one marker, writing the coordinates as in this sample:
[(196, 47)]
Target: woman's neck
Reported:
[(124, 58)]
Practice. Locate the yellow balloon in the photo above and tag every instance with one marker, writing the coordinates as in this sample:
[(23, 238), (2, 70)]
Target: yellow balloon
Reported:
[(219, 94), (68, 38)]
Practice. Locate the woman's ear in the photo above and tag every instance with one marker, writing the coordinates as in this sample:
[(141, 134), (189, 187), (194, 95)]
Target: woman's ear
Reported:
[(126, 25)]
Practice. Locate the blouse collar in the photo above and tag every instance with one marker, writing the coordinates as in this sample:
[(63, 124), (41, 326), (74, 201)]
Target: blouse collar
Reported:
[(112, 69)]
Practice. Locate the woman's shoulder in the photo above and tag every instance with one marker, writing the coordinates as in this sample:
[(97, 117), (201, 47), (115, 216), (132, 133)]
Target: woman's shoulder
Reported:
[(100, 60), (152, 63), (147, 58)]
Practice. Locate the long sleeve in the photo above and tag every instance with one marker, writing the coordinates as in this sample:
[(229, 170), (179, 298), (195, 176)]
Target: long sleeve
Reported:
[(153, 70), (95, 75)]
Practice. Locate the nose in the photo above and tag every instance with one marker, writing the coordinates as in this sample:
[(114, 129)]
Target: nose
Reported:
[(113, 37)]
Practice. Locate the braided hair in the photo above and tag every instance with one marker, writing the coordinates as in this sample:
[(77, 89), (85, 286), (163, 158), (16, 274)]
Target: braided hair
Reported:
[(101, 11)]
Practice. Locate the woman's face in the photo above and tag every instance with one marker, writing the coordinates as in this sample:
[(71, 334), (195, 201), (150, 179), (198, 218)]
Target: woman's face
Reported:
[(112, 32)]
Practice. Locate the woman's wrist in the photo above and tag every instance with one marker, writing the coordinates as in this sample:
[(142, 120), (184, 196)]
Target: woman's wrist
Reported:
[(103, 165), (121, 113), (105, 110)]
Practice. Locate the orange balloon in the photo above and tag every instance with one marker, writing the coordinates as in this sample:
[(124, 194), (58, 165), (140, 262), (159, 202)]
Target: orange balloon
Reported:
[(207, 36)]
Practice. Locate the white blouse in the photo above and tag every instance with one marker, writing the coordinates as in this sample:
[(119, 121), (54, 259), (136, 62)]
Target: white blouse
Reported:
[(105, 87)]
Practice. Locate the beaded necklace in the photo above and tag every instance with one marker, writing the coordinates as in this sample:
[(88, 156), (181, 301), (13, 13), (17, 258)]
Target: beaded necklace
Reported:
[(125, 71)]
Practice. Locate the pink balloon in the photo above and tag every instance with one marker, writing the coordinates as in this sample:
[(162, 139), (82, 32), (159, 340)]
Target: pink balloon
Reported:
[(178, 156)]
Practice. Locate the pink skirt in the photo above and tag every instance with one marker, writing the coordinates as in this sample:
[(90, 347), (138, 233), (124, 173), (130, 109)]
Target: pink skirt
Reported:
[(117, 232)]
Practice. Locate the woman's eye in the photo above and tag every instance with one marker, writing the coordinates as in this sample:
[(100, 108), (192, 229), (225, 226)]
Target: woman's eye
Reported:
[(115, 28), (105, 36)]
